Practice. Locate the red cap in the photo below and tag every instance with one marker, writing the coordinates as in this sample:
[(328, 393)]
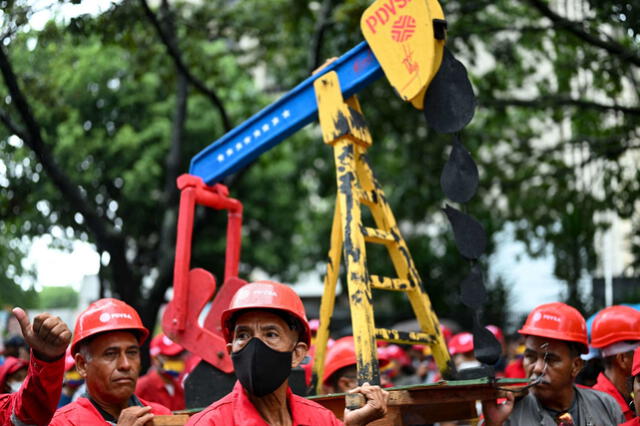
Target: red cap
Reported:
[(461, 343), (107, 315), (162, 345), (635, 368), (557, 321), (615, 324), (266, 295), (10, 366)]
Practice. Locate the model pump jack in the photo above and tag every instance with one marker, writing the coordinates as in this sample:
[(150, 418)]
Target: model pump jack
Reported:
[(405, 41)]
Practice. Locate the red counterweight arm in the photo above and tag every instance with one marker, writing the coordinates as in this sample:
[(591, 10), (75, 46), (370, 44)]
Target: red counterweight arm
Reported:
[(193, 288)]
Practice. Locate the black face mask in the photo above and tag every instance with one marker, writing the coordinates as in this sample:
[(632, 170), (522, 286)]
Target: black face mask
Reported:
[(260, 369)]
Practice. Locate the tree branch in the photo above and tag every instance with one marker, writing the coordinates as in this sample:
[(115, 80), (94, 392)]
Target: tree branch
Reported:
[(11, 125), (173, 52), (318, 35), (557, 101), (107, 238), (579, 31)]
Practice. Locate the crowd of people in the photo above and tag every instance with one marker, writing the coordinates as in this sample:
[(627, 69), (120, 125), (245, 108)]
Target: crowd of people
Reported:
[(49, 376)]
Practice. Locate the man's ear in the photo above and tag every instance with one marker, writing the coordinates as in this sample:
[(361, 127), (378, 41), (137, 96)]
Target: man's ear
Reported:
[(577, 365), (81, 365), (299, 352), (625, 360)]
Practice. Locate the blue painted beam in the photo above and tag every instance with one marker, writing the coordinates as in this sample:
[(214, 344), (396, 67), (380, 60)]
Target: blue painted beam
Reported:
[(356, 69)]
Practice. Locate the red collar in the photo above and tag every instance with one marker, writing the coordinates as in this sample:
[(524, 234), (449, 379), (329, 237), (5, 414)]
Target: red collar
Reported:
[(246, 414), (605, 385)]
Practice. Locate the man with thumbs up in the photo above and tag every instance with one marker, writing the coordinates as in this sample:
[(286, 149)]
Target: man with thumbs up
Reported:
[(36, 400)]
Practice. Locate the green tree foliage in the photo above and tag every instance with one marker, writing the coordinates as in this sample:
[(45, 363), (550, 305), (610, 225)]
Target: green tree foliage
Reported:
[(101, 114), (58, 297)]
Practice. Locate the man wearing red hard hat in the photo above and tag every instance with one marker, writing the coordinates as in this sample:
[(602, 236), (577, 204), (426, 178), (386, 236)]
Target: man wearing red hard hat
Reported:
[(339, 375), (555, 336), (106, 346), (635, 376), (616, 333), (162, 383), (267, 334), (35, 399)]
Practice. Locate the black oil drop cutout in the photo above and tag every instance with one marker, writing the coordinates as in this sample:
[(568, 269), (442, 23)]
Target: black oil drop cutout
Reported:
[(449, 103), (459, 178), (472, 291), (486, 347), (470, 237)]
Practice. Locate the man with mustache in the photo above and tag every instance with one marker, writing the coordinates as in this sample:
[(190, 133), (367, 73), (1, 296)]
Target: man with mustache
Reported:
[(635, 385), (106, 346), (555, 336), (267, 333)]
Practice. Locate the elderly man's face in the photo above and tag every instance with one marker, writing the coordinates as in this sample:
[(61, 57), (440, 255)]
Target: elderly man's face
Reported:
[(561, 367), (111, 372), (269, 328)]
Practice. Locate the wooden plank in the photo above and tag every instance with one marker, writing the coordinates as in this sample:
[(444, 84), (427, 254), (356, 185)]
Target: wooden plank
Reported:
[(433, 403), (171, 420)]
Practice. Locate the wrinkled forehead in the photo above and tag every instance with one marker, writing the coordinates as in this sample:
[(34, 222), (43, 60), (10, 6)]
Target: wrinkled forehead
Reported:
[(545, 344), (120, 339), (259, 318)]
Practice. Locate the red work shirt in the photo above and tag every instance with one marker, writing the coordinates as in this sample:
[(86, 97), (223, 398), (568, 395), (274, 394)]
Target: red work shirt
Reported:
[(37, 399), (152, 387), (604, 385), (82, 412), (236, 409), (634, 422)]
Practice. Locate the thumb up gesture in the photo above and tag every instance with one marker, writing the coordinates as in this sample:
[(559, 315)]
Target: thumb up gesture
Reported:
[(48, 336)]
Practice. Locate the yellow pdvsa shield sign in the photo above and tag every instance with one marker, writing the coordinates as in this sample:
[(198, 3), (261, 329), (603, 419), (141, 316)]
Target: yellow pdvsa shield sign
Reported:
[(401, 36)]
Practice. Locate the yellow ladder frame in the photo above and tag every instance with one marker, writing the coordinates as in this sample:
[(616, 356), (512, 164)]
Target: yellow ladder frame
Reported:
[(343, 126)]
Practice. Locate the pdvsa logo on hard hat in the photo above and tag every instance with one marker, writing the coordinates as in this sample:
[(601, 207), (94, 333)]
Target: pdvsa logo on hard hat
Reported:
[(551, 317), (106, 317), (403, 28)]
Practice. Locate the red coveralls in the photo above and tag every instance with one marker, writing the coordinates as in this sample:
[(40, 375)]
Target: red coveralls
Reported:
[(81, 412), (236, 409), (37, 399), (152, 388), (604, 385)]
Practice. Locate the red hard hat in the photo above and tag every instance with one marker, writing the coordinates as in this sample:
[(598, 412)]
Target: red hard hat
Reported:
[(395, 352), (461, 343), (557, 321), (497, 333), (162, 345), (615, 324), (69, 360), (446, 333), (635, 368), (342, 354), (266, 295), (107, 315)]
